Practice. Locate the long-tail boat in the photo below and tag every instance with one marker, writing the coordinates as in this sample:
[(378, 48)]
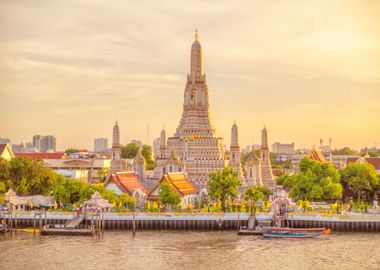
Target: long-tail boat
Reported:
[(274, 232)]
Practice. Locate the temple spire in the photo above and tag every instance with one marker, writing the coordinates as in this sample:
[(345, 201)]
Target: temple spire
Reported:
[(196, 59)]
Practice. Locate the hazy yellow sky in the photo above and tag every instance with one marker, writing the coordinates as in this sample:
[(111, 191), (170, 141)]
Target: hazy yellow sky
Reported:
[(307, 69)]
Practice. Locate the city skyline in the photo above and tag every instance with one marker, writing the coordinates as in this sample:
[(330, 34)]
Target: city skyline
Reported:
[(308, 75)]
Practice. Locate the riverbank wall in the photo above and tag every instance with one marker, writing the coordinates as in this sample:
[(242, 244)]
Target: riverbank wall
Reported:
[(202, 221)]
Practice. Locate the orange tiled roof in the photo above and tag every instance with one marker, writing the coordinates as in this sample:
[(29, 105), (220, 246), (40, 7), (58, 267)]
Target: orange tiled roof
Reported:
[(180, 183), (57, 155), (317, 156), (128, 182)]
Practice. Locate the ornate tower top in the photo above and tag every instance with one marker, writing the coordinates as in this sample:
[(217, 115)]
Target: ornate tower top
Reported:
[(196, 59), (234, 135), (264, 137), (116, 136), (163, 138)]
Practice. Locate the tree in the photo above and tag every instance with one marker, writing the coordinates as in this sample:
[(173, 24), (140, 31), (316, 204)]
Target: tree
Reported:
[(223, 185), (361, 178), (343, 151), (71, 150), (27, 176), (129, 151), (316, 181), (102, 174), (167, 195), (253, 195), (148, 155), (126, 200)]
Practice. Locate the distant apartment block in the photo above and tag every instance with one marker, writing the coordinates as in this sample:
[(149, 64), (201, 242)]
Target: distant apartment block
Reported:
[(5, 141), (283, 148), (100, 144), (18, 148), (44, 144), (48, 144)]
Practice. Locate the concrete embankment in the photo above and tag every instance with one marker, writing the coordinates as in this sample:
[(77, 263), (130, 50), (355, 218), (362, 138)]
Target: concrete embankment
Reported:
[(203, 221)]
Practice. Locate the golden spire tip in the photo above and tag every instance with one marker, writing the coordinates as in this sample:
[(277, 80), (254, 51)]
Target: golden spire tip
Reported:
[(196, 34)]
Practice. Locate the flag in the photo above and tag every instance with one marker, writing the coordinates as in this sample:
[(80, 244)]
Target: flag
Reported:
[(188, 205), (55, 205), (181, 205), (120, 204), (155, 205), (113, 205), (220, 204), (30, 204), (148, 206)]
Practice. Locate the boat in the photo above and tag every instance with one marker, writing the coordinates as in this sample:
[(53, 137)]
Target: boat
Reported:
[(3, 228), (273, 232)]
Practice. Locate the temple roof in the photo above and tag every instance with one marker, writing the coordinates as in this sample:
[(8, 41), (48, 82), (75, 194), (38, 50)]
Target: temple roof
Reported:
[(128, 182), (253, 159), (317, 156), (180, 183), (173, 159), (374, 161)]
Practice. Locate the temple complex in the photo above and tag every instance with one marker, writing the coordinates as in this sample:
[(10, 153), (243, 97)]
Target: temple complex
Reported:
[(195, 150)]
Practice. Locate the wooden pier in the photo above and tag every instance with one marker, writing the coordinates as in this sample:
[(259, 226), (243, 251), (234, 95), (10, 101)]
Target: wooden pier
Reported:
[(47, 230)]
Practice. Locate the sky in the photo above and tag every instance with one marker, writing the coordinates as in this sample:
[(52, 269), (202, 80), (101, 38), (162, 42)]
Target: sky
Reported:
[(304, 69)]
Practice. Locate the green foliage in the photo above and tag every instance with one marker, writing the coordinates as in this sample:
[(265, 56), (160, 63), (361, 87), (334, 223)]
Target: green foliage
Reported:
[(343, 151), (167, 195), (71, 150), (147, 152), (102, 174), (361, 178), (127, 201), (285, 180), (27, 176), (316, 181), (129, 150), (253, 195), (223, 185)]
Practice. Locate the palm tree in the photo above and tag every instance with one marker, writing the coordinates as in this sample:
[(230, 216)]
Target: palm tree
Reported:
[(253, 196)]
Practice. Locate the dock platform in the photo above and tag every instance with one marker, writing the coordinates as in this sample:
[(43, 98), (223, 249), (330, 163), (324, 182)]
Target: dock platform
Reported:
[(249, 232), (68, 231)]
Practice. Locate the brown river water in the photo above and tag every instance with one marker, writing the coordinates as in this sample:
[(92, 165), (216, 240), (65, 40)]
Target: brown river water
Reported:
[(188, 250)]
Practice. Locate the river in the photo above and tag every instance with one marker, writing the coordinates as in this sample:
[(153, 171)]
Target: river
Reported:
[(188, 250)]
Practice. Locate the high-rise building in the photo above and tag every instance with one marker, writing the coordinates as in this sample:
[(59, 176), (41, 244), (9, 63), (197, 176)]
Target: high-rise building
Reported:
[(48, 144), (100, 144), (36, 140)]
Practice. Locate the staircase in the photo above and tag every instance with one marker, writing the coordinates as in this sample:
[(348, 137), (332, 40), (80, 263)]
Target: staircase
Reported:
[(74, 222)]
